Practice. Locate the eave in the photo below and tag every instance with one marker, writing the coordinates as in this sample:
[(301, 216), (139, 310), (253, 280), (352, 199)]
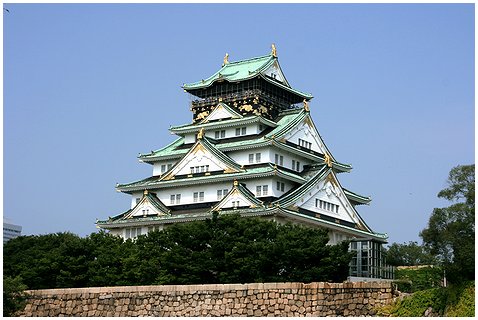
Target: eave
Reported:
[(153, 183), (194, 128)]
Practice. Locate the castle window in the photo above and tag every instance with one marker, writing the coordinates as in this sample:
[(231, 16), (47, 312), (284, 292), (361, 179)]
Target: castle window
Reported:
[(305, 144), (131, 233), (251, 158), (235, 204), (258, 157), (163, 168), (138, 200), (262, 190), (198, 196), (199, 169), (221, 194), (280, 186), (175, 199), (241, 131), (279, 159), (170, 165), (327, 206), (220, 134)]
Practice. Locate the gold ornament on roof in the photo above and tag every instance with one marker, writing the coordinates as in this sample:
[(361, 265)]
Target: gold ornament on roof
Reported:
[(201, 133), (236, 183), (306, 105), (327, 159), (145, 192), (226, 59), (274, 50)]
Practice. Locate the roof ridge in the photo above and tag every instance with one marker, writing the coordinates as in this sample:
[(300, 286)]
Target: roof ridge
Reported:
[(250, 59)]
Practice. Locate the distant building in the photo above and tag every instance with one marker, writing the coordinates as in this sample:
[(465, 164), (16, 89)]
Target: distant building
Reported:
[(252, 148), (10, 230)]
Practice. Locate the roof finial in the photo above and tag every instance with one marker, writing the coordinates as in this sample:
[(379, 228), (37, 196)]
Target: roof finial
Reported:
[(306, 105), (226, 59), (274, 51), (235, 182), (201, 133), (145, 192)]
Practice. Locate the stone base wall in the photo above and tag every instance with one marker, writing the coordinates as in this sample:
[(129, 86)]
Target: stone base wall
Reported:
[(254, 299)]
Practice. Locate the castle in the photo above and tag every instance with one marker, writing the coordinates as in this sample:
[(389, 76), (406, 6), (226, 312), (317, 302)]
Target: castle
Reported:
[(252, 148)]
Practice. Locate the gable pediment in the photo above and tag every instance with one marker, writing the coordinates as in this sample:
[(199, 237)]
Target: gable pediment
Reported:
[(149, 205), (324, 196), (275, 72), (305, 135), (222, 111), (203, 157), (238, 197)]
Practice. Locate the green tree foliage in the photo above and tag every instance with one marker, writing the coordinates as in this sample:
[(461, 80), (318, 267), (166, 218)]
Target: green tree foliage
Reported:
[(409, 254), (453, 301), (54, 260), (450, 234), (14, 298), (417, 279), (224, 249)]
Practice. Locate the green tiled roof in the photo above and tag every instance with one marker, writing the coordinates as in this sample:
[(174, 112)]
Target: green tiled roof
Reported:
[(248, 173), (287, 120), (292, 197), (168, 151), (378, 236), (243, 70), (194, 127), (356, 197), (235, 71), (158, 204)]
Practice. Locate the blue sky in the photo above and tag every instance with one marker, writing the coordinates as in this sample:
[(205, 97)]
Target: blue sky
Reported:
[(87, 87)]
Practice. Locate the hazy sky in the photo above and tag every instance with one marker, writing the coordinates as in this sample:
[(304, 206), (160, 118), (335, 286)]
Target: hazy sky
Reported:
[(87, 87)]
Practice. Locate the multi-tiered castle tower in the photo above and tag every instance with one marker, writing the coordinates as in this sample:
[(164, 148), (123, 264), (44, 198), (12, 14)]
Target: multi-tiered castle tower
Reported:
[(252, 148)]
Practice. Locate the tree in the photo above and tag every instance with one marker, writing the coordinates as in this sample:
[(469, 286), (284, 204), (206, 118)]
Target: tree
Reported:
[(57, 260), (450, 234), (14, 297), (409, 254)]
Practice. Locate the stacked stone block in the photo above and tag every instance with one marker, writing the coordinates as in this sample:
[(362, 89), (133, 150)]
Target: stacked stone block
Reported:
[(255, 299)]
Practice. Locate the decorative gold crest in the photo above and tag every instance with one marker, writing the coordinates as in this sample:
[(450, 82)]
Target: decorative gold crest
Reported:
[(201, 133), (306, 105), (225, 60), (327, 159)]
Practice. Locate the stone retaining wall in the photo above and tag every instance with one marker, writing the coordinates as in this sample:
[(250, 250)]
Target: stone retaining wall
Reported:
[(254, 299)]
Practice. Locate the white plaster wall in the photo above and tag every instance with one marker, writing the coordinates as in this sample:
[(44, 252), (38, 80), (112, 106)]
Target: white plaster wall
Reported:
[(157, 167), (190, 138), (230, 132), (134, 196), (210, 191), (288, 157), (287, 186), (242, 156)]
